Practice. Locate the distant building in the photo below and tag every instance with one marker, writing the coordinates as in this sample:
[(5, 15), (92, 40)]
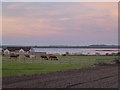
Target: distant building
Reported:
[(18, 50), (6, 51)]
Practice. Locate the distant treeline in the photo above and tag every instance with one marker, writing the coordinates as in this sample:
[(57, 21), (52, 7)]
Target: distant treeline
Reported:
[(90, 46)]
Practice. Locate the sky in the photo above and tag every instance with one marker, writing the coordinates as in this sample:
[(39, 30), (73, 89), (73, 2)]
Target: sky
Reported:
[(60, 0), (59, 23)]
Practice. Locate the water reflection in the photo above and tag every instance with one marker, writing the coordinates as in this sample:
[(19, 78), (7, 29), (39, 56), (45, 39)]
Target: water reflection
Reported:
[(77, 51)]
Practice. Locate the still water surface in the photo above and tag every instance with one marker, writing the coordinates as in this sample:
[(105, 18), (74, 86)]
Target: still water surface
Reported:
[(89, 51)]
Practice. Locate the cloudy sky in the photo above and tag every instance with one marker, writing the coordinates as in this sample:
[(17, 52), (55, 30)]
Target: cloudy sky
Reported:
[(59, 23)]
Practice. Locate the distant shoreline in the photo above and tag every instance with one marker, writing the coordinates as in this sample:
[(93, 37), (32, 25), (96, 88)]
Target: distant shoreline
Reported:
[(73, 47), (90, 46)]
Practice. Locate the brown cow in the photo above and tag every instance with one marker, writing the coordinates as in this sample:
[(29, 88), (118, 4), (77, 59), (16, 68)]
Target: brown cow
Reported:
[(53, 57), (12, 55), (32, 56), (3, 54), (22, 57), (27, 55), (44, 57), (63, 54)]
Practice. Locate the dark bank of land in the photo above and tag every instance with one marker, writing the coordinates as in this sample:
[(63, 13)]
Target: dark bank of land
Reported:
[(64, 46), (75, 47)]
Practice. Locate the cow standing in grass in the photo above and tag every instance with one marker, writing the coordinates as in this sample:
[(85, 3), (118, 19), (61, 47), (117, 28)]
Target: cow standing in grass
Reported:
[(22, 57), (53, 57), (44, 57), (32, 56), (15, 56), (27, 55)]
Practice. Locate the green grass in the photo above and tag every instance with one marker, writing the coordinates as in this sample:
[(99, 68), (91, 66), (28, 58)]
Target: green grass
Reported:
[(20, 67), (0, 66)]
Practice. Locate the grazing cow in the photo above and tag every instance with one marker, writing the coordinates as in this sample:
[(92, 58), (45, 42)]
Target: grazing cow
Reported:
[(3, 54), (22, 57), (63, 54), (32, 56), (53, 58), (14, 56), (27, 55), (44, 57)]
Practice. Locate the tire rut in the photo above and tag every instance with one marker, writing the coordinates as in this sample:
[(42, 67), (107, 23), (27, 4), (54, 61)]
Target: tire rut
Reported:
[(69, 86)]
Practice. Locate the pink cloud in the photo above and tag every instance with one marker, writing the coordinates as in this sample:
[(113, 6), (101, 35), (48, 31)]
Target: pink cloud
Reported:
[(98, 24), (13, 27), (111, 7), (15, 5), (64, 19)]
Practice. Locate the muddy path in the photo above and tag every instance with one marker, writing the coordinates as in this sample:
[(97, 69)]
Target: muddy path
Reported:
[(96, 77)]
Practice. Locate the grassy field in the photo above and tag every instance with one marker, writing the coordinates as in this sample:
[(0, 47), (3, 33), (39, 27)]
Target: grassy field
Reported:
[(13, 67), (0, 66)]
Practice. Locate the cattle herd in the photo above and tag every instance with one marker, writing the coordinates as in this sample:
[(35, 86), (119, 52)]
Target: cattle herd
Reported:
[(26, 56), (49, 57)]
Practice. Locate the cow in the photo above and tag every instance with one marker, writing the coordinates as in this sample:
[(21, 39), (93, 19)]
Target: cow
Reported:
[(14, 56), (32, 56), (53, 57), (3, 54), (23, 57), (44, 57), (27, 55), (63, 54)]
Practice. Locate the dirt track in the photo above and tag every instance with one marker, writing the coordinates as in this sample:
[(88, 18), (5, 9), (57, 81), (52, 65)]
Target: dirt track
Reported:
[(97, 77)]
